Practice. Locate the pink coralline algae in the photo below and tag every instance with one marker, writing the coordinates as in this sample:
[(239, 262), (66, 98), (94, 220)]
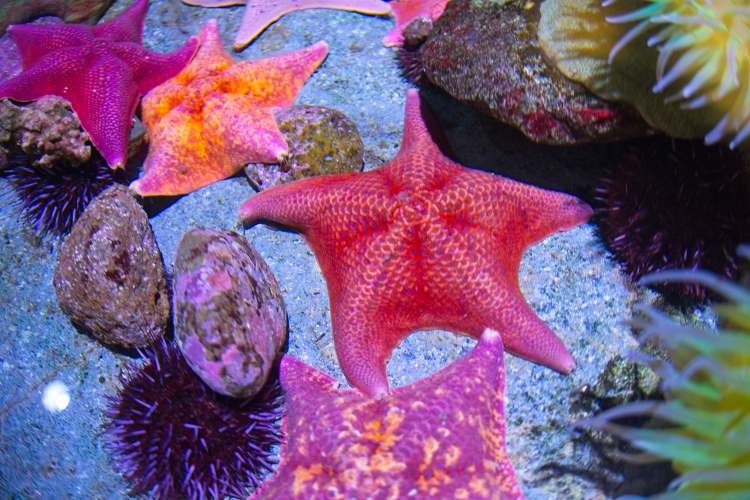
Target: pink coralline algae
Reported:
[(321, 141), (230, 318), (109, 277), (488, 55)]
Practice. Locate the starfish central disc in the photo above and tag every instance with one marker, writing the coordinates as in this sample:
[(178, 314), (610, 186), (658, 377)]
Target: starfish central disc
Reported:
[(422, 243)]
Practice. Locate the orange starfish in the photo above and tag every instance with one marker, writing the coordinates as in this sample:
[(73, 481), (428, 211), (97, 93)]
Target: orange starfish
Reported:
[(422, 243), (442, 437), (260, 13), (217, 115)]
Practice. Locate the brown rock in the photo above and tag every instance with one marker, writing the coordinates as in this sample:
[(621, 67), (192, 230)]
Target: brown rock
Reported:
[(487, 54), (321, 141), (110, 277)]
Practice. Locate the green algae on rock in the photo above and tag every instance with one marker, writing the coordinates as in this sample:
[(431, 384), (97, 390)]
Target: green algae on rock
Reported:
[(321, 141), (578, 38), (229, 317), (72, 11), (488, 55), (109, 276)]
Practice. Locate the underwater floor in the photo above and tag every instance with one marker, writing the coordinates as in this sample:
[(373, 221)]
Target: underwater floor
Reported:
[(568, 279)]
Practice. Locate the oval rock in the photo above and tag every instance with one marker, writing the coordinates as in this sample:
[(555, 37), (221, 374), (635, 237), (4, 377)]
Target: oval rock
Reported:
[(229, 316), (109, 276)]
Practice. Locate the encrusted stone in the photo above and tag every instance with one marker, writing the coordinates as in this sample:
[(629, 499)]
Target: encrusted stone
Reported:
[(72, 11), (230, 319), (321, 141), (109, 277), (47, 130), (488, 54)]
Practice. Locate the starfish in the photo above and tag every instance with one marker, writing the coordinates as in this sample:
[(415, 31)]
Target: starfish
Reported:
[(261, 13), (102, 70), (441, 437), (406, 11), (217, 115), (421, 243)]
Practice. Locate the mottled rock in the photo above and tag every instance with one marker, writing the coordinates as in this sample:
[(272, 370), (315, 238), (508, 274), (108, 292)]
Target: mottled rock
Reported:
[(109, 277), (488, 55), (321, 141), (229, 317), (48, 131), (72, 11)]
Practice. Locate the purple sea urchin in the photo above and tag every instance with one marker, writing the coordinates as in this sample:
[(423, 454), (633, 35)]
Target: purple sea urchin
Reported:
[(172, 437), (53, 197), (676, 204), (703, 56)]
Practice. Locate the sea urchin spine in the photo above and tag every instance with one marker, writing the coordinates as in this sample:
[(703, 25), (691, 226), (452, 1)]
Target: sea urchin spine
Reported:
[(172, 437)]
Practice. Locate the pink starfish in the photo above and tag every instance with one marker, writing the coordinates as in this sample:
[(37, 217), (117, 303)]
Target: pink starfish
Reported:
[(260, 13), (420, 243), (408, 10), (440, 438), (102, 70)]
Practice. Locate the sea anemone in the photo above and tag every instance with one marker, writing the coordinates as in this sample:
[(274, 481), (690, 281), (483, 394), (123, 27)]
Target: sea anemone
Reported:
[(706, 383), (172, 437), (53, 197), (703, 56), (673, 204)]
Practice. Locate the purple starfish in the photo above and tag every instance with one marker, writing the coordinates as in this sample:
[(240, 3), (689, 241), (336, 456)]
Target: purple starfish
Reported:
[(102, 70)]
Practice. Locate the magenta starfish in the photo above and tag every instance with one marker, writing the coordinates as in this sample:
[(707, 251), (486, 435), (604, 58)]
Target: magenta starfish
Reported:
[(422, 243), (102, 70), (441, 438)]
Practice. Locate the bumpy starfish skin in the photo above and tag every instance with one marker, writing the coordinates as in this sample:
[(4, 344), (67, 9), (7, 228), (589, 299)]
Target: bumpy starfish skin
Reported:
[(217, 115), (421, 243), (406, 11), (102, 70), (442, 437), (260, 13)]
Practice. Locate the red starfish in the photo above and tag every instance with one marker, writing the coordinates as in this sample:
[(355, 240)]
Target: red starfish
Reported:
[(442, 437), (102, 70), (422, 243)]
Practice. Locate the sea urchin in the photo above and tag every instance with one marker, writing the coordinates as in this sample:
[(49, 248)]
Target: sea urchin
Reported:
[(674, 204), (703, 50), (53, 197), (172, 437)]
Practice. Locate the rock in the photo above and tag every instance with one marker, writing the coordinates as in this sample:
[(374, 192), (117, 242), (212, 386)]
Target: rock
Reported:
[(487, 54), (109, 276), (321, 141), (72, 11), (230, 318), (48, 131)]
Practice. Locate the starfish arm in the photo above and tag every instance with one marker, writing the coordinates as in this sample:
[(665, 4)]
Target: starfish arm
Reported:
[(106, 110), (275, 81), (126, 27), (514, 211), (260, 13), (313, 204), (177, 158), (243, 132), (42, 79), (35, 41), (525, 335), (150, 69)]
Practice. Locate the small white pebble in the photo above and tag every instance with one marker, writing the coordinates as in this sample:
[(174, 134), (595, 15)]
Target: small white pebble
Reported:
[(55, 397)]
